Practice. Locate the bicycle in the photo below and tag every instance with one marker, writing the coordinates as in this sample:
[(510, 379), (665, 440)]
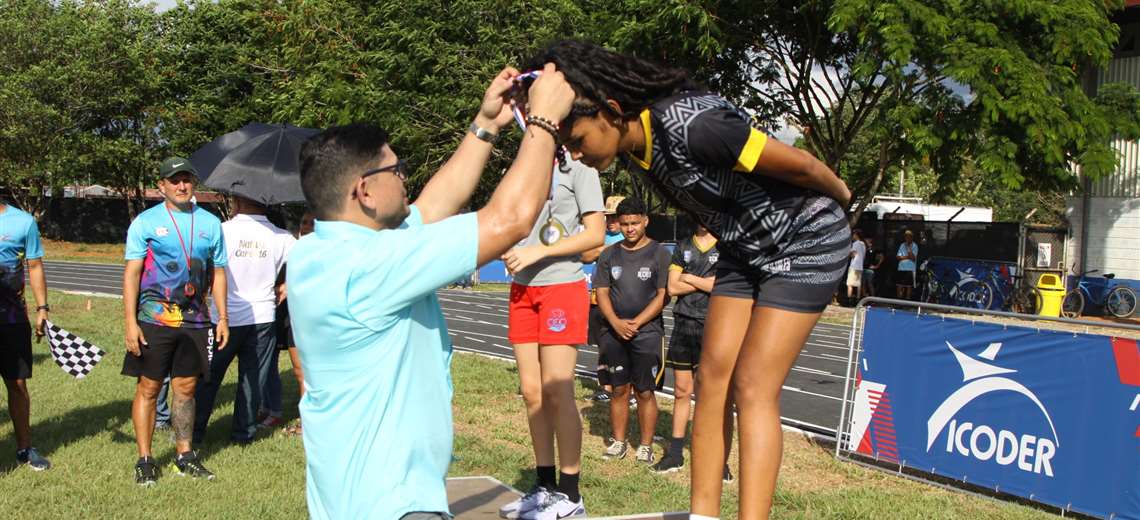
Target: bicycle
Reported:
[(1026, 298), (1119, 300)]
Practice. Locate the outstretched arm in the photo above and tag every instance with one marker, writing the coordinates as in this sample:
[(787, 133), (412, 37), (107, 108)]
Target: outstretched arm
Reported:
[(451, 187)]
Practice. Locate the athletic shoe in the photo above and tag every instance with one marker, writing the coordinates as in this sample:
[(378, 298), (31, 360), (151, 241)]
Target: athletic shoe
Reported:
[(33, 459), (670, 463), (146, 472), (645, 454), (616, 449), (727, 475), (558, 506), (633, 402), (188, 465), (270, 421), (601, 396), (526, 504)]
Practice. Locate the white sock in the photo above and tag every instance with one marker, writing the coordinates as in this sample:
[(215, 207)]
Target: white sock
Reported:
[(701, 517)]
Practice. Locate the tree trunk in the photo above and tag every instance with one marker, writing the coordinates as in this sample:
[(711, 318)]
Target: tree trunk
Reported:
[(865, 199)]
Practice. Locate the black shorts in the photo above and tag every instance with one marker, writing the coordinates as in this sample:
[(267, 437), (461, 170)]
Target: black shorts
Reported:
[(15, 350), (595, 324), (794, 282), (685, 344), (904, 279), (172, 351), (637, 361)]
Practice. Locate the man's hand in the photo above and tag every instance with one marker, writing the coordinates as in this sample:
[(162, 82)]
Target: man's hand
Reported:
[(495, 110), (134, 339), (41, 317), (222, 333), (520, 258)]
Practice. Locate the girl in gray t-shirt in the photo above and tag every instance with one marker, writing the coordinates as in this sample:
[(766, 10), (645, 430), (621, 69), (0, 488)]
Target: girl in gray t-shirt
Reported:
[(549, 318)]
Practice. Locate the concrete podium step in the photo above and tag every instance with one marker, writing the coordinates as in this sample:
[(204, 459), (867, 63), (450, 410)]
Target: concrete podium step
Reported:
[(480, 497)]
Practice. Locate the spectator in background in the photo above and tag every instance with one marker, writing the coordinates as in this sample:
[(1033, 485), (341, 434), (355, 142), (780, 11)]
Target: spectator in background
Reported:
[(613, 236), (255, 252), (20, 244), (872, 264), (285, 341), (905, 274), (855, 269), (631, 278), (175, 255)]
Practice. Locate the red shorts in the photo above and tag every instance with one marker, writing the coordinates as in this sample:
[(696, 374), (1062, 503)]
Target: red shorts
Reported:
[(549, 315)]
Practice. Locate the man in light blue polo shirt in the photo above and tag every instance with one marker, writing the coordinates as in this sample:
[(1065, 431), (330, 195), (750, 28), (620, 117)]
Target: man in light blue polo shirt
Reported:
[(373, 343)]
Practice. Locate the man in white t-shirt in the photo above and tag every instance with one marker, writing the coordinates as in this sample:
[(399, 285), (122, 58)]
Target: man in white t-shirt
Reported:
[(855, 270), (256, 250)]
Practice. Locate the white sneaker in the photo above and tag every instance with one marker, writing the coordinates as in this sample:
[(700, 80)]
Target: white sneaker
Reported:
[(559, 506), (645, 454), (616, 449), (525, 504)]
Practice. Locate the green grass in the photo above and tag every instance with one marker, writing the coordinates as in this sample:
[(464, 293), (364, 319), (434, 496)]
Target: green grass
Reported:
[(84, 427), (59, 250)]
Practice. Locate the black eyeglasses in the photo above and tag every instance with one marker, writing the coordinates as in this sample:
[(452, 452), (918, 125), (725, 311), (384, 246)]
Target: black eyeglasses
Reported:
[(400, 169)]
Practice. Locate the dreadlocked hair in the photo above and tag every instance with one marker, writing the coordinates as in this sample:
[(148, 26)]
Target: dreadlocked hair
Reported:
[(597, 75)]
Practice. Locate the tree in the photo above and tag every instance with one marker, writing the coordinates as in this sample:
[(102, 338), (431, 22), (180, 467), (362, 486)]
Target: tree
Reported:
[(998, 81)]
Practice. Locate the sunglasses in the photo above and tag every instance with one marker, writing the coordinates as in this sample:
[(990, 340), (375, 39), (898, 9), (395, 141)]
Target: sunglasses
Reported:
[(400, 170)]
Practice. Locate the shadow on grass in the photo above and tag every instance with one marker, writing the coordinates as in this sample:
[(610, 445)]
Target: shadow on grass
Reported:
[(50, 434)]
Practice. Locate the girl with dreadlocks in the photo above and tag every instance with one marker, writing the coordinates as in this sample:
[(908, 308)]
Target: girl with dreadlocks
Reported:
[(777, 214)]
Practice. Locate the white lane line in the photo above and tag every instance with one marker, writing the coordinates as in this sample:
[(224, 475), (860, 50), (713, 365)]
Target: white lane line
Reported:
[(476, 339), (86, 286), (1135, 402)]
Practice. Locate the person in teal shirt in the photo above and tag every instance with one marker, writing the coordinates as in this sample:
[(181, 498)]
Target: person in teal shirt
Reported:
[(372, 338), (19, 245), (175, 255)]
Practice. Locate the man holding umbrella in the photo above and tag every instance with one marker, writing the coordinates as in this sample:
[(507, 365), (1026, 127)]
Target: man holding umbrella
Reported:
[(173, 252), (256, 251)]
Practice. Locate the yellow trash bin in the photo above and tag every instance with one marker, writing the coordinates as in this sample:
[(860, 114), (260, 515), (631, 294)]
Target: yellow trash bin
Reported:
[(1052, 294)]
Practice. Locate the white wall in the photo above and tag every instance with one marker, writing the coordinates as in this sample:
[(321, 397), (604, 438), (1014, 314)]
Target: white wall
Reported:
[(1114, 235)]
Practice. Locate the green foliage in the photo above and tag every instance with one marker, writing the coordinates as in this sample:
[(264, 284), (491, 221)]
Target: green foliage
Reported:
[(98, 91)]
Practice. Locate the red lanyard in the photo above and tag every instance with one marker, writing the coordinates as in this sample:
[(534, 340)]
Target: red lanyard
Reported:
[(179, 232)]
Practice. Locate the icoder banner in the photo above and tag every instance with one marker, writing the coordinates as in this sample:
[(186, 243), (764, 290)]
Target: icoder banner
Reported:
[(1050, 416)]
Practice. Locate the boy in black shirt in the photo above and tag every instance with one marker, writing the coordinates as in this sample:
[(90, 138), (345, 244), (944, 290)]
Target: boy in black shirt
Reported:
[(692, 273), (630, 278)]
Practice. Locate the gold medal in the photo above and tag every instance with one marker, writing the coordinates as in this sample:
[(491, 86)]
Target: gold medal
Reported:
[(551, 232)]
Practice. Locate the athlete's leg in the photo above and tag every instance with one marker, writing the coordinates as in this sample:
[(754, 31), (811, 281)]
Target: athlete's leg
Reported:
[(725, 328), (530, 379), (557, 364), (774, 340)]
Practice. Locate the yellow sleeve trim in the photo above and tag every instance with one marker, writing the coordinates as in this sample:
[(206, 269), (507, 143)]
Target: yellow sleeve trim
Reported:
[(751, 152), (645, 161), (676, 267)]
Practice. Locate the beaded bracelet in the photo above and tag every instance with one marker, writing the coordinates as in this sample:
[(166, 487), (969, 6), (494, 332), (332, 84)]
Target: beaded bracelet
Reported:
[(545, 124)]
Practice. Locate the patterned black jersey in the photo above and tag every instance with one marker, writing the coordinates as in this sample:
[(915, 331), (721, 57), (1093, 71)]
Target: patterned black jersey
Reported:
[(688, 257), (701, 155)]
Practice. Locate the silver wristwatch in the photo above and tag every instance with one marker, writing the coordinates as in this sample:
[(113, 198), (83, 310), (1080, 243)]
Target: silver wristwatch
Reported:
[(483, 134)]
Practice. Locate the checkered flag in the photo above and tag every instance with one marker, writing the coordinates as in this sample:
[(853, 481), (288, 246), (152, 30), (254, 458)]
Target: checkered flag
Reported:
[(73, 354)]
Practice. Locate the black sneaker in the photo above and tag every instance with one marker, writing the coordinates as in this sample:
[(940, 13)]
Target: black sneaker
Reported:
[(601, 396), (728, 478), (146, 472), (32, 459), (669, 463), (188, 465)]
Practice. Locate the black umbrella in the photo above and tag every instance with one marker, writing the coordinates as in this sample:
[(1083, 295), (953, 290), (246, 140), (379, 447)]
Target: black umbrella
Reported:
[(257, 161)]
